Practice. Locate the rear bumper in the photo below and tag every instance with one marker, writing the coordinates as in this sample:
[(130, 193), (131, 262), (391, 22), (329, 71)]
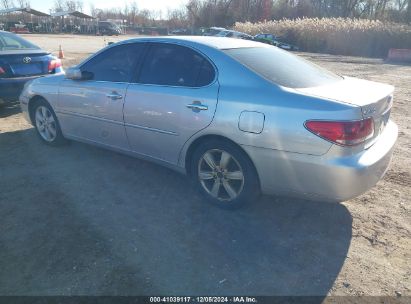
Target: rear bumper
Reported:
[(24, 105), (327, 177), (10, 88)]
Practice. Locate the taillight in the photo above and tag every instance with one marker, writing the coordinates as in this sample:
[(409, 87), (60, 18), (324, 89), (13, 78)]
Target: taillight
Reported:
[(2, 71), (346, 133), (54, 64)]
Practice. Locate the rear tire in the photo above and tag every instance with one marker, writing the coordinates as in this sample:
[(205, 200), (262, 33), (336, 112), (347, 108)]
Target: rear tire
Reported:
[(224, 174), (46, 124)]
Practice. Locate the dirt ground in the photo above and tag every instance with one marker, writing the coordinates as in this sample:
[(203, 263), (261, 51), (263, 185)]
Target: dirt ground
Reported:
[(81, 220)]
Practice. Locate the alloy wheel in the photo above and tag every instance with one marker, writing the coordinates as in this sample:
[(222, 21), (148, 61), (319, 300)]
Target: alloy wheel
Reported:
[(45, 123), (221, 175)]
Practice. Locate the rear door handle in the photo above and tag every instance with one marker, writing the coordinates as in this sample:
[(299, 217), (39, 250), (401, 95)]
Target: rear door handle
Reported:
[(114, 96), (197, 107)]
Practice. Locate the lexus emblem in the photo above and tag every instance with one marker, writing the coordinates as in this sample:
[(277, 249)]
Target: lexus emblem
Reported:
[(26, 59)]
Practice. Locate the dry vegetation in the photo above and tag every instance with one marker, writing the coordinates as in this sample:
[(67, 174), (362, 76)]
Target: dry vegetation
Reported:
[(359, 37)]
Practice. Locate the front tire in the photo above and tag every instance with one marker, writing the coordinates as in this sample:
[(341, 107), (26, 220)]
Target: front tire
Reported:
[(46, 124), (224, 174)]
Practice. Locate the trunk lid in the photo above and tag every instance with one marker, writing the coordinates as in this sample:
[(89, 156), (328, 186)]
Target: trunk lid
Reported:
[(375, 99), (24, 64)]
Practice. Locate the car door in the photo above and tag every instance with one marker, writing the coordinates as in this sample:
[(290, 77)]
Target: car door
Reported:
[(93, 109), (174, 97), (272, 38)]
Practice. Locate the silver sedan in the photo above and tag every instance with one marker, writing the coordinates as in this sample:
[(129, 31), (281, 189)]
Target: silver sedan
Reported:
[(239, 117)]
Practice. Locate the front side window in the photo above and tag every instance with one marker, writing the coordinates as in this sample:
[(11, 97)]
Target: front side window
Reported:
[(214, 32), (282, 67), (174, 65), (223, 33), (116, 64)]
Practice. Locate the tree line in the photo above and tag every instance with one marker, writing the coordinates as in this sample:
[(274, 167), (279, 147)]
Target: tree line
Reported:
[(227, 12), (206, 13)]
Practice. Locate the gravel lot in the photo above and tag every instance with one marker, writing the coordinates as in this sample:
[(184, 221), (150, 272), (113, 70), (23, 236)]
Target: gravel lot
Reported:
[(84, 221)]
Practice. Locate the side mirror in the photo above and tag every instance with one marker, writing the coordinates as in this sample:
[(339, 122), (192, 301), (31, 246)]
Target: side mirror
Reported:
[(75, 73)]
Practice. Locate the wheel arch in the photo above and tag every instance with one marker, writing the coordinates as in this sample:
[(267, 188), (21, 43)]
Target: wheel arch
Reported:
[(208, 137), (32, 103)]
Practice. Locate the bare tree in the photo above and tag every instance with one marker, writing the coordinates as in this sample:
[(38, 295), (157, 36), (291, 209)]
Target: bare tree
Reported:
[(58, 6), (133, 12), (177, 18), (23, 3), (207, 13), (7, 3), (79, 5), (70, 5)]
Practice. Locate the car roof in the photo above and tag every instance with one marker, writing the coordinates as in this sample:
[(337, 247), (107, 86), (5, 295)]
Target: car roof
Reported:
[(220, 43)]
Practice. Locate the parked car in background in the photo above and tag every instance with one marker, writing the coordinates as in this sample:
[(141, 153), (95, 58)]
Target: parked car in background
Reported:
[(213, 31), (234, 34), (21, 61), (108, 28), (237, 116), (19, 28), (276, 41), (181, 31)]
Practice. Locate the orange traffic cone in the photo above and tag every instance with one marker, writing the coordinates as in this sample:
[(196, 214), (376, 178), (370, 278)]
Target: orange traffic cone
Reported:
[(61, 53)]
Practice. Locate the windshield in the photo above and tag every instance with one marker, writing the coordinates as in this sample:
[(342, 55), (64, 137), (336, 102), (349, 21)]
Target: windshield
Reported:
[(282, 67), (10, 42)]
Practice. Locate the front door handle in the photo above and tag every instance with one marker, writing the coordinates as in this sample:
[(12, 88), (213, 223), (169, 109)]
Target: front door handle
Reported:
[(114, 96), (197, 107)]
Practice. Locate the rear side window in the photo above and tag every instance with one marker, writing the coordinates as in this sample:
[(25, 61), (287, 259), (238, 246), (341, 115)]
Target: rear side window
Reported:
[(282, 67), (175, 65), (116, 64)]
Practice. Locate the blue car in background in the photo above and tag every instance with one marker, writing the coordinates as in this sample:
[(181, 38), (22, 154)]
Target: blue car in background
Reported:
[(21, 61)]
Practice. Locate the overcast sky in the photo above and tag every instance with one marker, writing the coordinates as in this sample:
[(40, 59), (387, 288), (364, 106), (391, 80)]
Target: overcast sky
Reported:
[(163, 5)]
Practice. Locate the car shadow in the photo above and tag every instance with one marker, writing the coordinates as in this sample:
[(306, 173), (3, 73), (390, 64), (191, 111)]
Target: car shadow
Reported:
[(80, 220), (9, 108)]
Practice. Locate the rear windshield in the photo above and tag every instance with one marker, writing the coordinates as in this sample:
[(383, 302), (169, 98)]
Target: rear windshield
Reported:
[(11, 42), (282, 67)]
